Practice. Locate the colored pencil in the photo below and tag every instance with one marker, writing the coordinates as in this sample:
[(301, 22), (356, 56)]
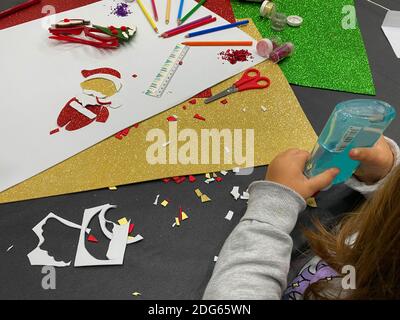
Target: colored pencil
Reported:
[(180, 10), (217, 43), (168, 13), (147, 15), (188, 15), (219, 28), (190, 23), (18, 8), (153, 4), (189, 27)]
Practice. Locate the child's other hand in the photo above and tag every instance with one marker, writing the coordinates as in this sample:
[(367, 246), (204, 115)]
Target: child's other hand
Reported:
[(287, 169), (376, 162)]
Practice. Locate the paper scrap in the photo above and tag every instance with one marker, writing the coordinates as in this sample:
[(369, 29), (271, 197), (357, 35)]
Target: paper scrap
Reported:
[(177, 223), (204, 198), (112, 188), (192, 178), (136, 294), (198, 192), (164, 203), (215, 258), (235, 192), (184, 216), (9, 248), (229, 215), (156, 200), (122, 221), (92, 238), (166, 143), (391, 28), (236, 170), (207, 175), (311, 202), (263, 108), (218, 179), (209, 180), (199, 117), (131, 227), (245, 195), (223, 172), (214, 175)]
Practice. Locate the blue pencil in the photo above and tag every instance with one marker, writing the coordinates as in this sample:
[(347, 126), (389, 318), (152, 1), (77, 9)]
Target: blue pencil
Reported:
[(225, 26), (180, 10)]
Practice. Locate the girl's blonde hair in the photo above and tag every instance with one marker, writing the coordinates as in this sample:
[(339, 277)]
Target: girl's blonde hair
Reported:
[(375, 252)]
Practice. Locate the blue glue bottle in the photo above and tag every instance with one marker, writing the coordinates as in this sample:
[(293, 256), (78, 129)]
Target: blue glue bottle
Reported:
[(353, 124)]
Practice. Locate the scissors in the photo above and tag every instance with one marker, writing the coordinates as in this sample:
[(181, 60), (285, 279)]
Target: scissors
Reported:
[(251, 79)]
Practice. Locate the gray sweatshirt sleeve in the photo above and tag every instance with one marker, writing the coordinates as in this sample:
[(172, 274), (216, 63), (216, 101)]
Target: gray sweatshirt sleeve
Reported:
[(368, 190), (255, 259)]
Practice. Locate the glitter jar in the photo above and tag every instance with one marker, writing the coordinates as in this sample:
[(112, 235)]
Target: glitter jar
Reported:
[(252, 0), (282, 52), (278, 21), (267, 9), (266, 46)]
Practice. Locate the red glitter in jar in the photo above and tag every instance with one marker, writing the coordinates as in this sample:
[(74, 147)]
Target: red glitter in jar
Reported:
[(234, 56), (66, 20)]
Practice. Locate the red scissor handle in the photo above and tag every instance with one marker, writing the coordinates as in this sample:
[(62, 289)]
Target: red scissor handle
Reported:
[(252, 79)]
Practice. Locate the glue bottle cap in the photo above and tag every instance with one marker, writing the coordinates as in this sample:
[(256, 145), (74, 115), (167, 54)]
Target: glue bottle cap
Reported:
[(294, 21)]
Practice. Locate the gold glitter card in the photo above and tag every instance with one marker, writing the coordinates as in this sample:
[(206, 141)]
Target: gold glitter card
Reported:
[(274, 115)]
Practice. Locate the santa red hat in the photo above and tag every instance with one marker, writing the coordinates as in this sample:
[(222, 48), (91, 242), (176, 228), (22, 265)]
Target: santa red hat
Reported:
[(104, 73)]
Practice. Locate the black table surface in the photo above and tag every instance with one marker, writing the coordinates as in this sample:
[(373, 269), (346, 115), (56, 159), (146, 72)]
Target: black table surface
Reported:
[(174, 263)]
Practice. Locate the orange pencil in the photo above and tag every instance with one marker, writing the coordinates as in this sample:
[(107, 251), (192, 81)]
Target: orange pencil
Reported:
[(217, 43)]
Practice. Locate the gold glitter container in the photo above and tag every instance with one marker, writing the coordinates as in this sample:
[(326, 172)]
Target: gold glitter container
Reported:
[(267, 9)]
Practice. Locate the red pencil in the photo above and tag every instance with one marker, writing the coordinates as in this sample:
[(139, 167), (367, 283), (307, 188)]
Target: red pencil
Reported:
[(153, 4), (187, 24), (188, 27), (18, 7)]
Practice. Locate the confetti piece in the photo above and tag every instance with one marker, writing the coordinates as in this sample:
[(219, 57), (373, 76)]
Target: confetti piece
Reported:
[(136, 125), (192, 178), (9, 248), (92, 238), (112, 188), (214, 175), (54, 131), (311, 202), (156, 200), (263, 108), (236, 170), (172, 118), (235, 192), (193, 101), (131, 227), (229, 215), (199, 117), (166, 180), (224, 172), (224, 101), (215, 258), (245, 196), (207, 175), (122, 221), (166, 143), (180, 180), (184, 216), (209, 180), (164, 203), (137, 238), (177, 223), (218, 179), (123, 133), (136, 294), (244, 109), (204, 198), (198, 192)]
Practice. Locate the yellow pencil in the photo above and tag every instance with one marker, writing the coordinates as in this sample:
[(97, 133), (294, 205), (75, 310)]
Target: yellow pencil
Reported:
[(151, 21), (168, 13)]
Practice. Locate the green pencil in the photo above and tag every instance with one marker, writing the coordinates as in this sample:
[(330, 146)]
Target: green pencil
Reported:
[(195, 8)]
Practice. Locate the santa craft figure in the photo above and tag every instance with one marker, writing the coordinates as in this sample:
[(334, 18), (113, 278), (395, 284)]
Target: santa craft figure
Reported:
[(99, 87)]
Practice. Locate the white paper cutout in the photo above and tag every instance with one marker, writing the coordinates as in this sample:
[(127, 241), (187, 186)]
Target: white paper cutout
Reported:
[(40, 257), (103, 221), (229, 215), (391, 28), (116, 248), (235, 192)]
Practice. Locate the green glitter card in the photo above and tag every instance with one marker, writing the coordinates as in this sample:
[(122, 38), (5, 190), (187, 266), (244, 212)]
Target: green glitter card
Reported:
[(326, 55)]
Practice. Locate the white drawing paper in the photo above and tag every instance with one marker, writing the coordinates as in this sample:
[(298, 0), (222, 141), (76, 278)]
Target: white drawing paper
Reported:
[(391, 28), (39, 76)]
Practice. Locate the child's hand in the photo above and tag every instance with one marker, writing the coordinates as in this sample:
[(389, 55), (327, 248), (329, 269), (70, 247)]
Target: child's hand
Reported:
[(376, 162), (287, 169)]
